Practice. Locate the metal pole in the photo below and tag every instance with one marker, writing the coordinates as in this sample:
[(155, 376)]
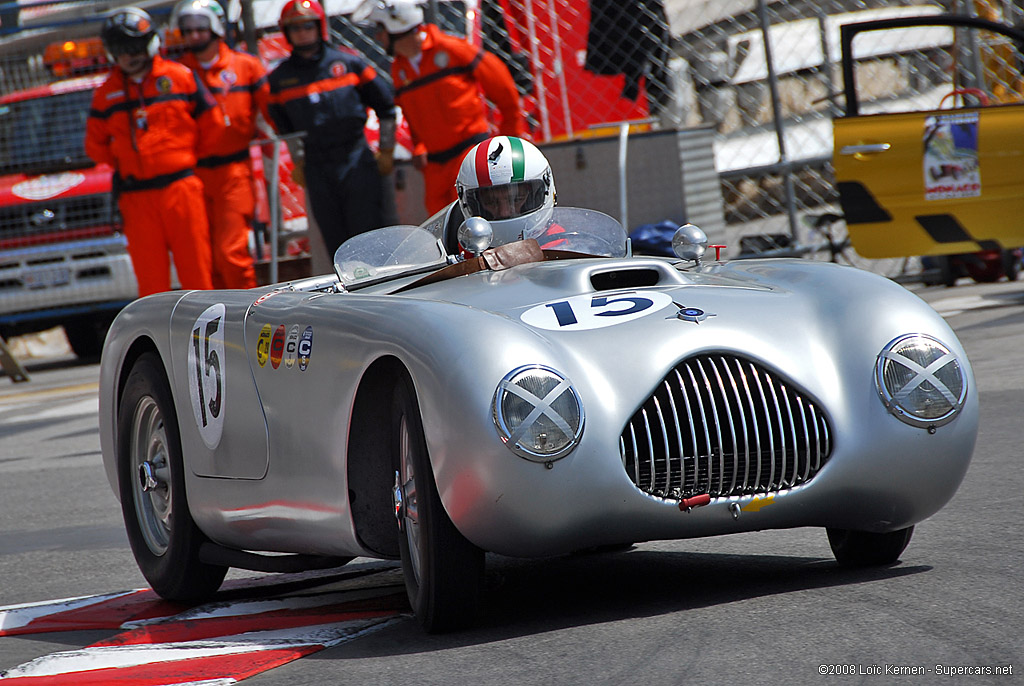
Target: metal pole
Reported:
[(274, 198), (623, 196), (249, 27), (826, 64), (773, 87)]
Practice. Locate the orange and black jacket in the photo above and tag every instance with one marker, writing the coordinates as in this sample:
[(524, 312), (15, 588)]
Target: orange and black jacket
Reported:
[(442, 101), (150, 132), (327, 97), (238, 82)]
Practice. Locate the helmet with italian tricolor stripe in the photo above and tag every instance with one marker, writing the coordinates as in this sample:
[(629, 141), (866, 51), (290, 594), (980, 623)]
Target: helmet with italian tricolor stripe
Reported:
[(507, 181)]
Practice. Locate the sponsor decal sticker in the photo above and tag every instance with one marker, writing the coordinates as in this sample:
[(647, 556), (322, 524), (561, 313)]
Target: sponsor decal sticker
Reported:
[(951, 168), (207, 384), (263, 345), (47, 186), (305, 348), (291, 346), (277, 347), (585, 312)]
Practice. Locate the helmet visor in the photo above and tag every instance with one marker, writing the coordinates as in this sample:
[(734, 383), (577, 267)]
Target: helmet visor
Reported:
[(128, 46), (507, 201)]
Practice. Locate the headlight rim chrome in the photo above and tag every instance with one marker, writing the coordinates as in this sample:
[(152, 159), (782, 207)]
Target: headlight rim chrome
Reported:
[(888, 397), (506, 432)]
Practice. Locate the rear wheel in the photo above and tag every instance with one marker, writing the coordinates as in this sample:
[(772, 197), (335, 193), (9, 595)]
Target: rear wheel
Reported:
[(867, 549), (443, 570), (1011, 265), (151, 477)]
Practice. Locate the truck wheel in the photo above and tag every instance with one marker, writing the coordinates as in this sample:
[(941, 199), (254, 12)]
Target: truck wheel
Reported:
[(443, 570), (1011, 265), (86, 338), (866, 549), (151, 478)]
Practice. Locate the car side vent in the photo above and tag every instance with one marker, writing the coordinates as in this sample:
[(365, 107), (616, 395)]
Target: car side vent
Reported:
[(624, 278), (725, 426)]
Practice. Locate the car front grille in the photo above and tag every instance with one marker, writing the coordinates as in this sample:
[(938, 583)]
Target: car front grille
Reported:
[(36, 222), (724, 426)]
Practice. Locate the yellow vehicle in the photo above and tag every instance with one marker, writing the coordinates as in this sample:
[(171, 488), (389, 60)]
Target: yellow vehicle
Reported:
[(929, 157)]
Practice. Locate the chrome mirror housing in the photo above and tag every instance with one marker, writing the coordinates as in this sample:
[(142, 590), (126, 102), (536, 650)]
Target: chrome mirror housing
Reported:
[(689, 242), (475, 235)]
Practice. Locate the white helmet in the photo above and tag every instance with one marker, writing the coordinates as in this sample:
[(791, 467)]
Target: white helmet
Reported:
[(210, 10), (396, 16), (507, 181)]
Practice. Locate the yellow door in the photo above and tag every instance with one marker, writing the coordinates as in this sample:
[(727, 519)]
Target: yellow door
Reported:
[(932, 183), (937, 166)]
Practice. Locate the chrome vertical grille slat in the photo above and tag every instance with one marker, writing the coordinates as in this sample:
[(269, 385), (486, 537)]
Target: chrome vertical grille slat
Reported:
[(724, 425), (742, 422)]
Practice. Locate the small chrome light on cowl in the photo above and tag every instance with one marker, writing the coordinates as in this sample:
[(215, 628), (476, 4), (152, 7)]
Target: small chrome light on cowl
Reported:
[(689, 242), (475, 235)]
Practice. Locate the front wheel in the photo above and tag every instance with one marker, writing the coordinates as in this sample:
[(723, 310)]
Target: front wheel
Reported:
[(151, 478), (443, 571), (867, 549)]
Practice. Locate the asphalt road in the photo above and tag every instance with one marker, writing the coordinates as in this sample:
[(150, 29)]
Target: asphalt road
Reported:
[(751, 608)]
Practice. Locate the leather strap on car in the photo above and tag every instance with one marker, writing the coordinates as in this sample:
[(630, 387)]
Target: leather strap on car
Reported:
[(495, 259)]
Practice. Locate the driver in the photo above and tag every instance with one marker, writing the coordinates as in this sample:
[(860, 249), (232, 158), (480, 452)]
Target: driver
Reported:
[(507, 181)]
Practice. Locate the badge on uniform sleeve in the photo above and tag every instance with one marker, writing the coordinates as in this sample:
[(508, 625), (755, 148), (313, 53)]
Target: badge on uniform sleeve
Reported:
[(163, 84), (228, 77), (338, 69), (441, 59)]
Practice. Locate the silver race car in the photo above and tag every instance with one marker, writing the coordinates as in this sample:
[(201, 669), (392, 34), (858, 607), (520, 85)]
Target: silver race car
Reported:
[(525, 401)]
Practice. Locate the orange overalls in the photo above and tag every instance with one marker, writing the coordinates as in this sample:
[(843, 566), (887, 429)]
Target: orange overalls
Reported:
[(238, 81), (149, 132), (446, 113)]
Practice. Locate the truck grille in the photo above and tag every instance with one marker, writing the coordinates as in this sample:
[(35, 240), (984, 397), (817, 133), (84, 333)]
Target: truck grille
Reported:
[(725, 426), (69, 218)]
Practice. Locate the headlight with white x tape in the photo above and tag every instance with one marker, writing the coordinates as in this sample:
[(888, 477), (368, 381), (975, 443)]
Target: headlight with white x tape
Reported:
[(538, 413), (920, 380)]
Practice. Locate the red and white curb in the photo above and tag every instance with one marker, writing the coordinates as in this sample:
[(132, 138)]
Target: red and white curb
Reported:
[(220, 643)]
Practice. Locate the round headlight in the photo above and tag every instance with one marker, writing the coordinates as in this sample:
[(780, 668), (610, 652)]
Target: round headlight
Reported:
[(920, 380), (538, 413)]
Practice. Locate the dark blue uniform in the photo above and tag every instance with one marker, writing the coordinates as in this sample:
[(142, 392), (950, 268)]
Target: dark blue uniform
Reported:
[(327, 98)]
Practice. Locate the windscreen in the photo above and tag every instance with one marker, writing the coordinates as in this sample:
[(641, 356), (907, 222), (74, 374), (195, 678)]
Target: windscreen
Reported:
[(44, 134)]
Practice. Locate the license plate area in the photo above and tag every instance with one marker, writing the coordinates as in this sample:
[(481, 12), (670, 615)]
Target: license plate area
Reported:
[(51, 277)]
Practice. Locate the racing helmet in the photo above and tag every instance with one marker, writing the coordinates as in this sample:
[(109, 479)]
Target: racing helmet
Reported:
[(396, 16), (129, 30), (210, 10), (508, 182), (299, 11)]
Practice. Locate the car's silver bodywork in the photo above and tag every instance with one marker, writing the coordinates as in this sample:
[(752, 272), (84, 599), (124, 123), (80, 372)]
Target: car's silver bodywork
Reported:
[(291, 465)]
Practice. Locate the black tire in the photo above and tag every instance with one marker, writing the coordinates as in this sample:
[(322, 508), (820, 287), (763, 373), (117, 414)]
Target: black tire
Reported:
[(85, 337), (163, 536), (443, 571), (1011, 265), (947, 271), (866, 549)]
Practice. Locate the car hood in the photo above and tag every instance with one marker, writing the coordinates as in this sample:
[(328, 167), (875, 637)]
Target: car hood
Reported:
[(814, 322)]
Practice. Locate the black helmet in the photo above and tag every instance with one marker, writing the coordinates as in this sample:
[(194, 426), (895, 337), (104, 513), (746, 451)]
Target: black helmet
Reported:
[(130, 30)]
